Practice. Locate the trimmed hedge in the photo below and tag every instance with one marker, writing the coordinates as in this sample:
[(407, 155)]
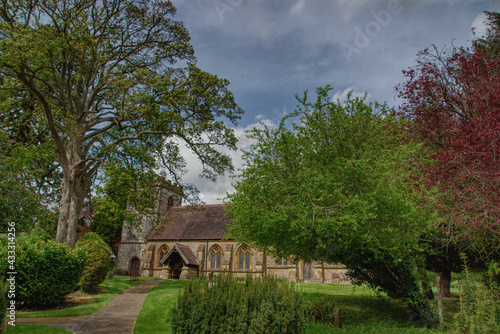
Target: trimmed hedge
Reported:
[(46, 271), (226, 305), (96, 269)]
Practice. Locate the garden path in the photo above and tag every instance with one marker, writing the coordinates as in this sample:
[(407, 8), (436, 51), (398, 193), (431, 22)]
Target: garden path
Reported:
[(116, 317)]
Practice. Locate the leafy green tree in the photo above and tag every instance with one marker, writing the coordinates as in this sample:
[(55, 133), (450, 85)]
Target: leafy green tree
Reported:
[(491, 42), (107, 74), (28, 173), (340, 184)]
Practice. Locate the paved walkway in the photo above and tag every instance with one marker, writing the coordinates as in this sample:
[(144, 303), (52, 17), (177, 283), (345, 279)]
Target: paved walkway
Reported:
[(117, 317)]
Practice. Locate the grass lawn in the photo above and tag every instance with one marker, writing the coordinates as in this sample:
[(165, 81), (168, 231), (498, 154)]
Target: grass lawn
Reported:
[(363, 312), (156, 312), (110, 288)]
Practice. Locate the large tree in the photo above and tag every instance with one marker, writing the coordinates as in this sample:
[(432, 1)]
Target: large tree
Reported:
[(104, 74), (339, 184), (453, 98)]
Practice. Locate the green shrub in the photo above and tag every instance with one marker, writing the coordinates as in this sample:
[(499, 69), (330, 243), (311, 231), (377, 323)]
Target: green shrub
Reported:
[(46, 271), (479, 305), (96, 269), (227, 305)]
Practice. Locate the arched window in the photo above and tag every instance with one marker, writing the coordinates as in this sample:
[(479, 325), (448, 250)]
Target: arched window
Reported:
[(161, 254), (244, 256), (282, 261), (215, 257)]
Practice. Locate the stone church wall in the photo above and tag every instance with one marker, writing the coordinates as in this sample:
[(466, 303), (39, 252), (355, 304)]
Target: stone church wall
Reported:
[(133, 239), (261, 264)]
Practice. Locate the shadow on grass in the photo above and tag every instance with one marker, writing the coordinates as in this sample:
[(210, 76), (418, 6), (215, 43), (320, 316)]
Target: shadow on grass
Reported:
[(109, 290), (363, 311)]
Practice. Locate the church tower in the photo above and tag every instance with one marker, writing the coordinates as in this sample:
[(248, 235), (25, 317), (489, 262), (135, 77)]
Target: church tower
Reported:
[(130, 256)]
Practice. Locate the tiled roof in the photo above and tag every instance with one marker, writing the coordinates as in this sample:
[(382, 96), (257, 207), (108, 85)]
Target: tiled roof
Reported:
[(185, 252), (207, 222)]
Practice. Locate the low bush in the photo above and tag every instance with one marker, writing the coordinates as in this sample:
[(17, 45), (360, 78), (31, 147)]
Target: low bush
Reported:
[(96, 269), (226, 305), (46, 271)]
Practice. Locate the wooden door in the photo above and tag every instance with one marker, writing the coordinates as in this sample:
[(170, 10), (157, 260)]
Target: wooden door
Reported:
[(307, 271), (135, 267)]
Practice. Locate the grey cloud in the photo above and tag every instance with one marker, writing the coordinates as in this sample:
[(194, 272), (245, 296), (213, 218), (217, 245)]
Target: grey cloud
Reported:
[(272, 50)]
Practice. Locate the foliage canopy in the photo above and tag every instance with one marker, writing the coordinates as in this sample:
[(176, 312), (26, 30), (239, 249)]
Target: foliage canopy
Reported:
[(108, 80), (453, 98), (340, 184)]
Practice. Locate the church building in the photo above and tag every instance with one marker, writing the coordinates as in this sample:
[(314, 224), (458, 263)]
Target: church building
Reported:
[(183, 242)]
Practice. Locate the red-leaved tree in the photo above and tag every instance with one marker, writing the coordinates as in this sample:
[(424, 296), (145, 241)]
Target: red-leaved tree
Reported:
[(453, 98)]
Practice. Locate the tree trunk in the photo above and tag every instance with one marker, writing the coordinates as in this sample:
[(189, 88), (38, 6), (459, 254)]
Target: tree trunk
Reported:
[(424, 281), (71, 205), (440, 302), (62, 223), (74, 190), (445, 279)]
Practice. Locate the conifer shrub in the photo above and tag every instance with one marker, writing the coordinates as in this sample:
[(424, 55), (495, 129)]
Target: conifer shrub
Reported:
[(226, 305), (46, 271), (96, 269)]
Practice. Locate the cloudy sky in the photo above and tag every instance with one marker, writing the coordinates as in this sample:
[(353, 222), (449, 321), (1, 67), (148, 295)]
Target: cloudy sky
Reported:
[(271, 50)]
